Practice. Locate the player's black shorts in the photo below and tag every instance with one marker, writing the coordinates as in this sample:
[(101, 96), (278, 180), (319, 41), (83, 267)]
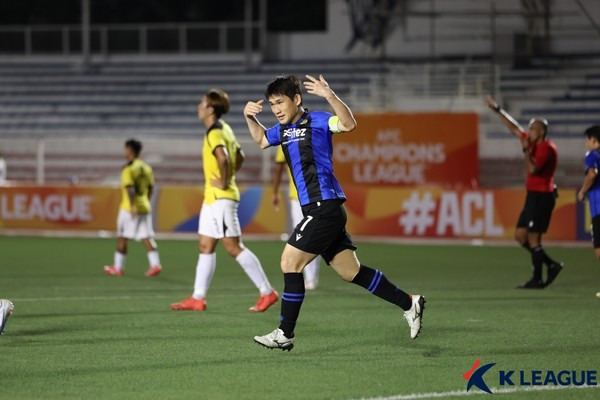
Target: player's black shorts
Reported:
[(322, 231), (596, 231), (537, 211)]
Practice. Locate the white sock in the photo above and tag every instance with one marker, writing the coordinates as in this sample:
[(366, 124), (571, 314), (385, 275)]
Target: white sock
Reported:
[(119, 260), (251, 265), (153, 258), (311, 271), (204, 273)]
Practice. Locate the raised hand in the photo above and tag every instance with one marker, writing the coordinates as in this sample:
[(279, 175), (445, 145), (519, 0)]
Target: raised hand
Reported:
[(318, 87), (253, 108)]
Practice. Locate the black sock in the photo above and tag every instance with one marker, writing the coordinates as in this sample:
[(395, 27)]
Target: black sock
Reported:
[(376, 283), (547, 260), (291, 301), (537, 258)]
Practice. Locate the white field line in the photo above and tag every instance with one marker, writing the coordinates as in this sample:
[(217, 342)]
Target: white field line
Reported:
[(475, 392)]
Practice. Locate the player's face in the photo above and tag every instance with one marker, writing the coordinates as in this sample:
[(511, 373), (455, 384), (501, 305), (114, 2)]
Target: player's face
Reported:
[(591, 143), (284, 108), (203, 109), (536, 131), (128, 153)]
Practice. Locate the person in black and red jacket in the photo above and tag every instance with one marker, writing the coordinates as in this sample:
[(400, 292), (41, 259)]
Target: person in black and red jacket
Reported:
[(541, 157)]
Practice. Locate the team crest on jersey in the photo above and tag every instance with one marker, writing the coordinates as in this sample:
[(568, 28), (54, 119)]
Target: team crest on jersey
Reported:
[(304, 122)]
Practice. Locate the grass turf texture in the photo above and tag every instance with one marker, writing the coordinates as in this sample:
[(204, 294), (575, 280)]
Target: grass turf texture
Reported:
[(77, 333)]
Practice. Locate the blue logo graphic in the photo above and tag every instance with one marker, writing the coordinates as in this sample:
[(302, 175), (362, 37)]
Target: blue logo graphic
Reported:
[(474, 376)]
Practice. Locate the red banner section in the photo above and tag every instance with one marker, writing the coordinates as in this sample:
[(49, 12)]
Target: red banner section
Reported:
[(59, 207), (410, 149)]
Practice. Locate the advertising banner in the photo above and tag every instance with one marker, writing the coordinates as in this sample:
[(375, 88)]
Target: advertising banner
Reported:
[(409, 150), (439, 213), (59, 207), (427, 212)]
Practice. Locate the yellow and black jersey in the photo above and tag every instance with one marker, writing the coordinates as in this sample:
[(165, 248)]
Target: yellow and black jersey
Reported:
[(139, 175), (219, 134)]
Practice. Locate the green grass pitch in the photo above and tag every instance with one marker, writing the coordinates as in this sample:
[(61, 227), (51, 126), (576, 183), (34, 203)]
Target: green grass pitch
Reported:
[(77, 333)]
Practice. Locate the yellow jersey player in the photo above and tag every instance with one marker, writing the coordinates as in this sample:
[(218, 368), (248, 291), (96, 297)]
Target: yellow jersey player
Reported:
[(135, 214), (222, 157), (311, 271)]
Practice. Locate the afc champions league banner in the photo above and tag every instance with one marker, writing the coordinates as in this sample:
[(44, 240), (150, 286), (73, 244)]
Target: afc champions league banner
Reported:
[(409, 150), (425, 212), (59, 207)]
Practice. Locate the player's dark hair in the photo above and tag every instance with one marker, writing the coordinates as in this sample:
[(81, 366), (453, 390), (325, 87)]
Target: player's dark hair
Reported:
[(593, 132), (219, 100), (135, 146), (286, 85)]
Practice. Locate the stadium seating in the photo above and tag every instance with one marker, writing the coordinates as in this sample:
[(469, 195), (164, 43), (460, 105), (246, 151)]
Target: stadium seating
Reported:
[(155, 99)]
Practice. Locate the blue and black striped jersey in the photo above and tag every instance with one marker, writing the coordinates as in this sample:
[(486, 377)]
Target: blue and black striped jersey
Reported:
[(308, 152)]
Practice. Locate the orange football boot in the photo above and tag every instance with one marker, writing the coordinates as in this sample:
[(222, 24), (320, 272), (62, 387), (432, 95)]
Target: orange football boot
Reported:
[(264, 302), (153, 271), (189, 304), (111, 270)]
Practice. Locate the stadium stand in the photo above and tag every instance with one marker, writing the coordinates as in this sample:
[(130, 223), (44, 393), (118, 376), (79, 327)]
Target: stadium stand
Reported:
[(154, 99)]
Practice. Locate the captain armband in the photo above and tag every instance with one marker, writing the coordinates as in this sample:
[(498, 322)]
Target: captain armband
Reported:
[(333, 124)]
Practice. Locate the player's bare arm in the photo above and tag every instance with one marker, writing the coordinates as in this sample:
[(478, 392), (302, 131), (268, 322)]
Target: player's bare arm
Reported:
[(222, 181), (257, 130), (320, 87), (588, 182), (279, 167), (505, 117), (240, 157)]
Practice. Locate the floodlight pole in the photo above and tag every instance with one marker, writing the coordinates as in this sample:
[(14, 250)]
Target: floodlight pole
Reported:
[(85, 34)]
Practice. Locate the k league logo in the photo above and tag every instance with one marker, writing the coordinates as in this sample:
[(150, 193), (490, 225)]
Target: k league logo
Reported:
[(529, 379), (474, 376)]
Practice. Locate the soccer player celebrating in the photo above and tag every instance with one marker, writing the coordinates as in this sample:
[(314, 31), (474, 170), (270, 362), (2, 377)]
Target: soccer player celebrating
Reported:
[(135, 215), (311, 271), (591, 184), (306, 139), (222, 157), (541, 158), (6, 310)]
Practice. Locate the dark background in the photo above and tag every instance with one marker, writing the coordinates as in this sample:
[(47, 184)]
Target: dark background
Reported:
[(288, 15)]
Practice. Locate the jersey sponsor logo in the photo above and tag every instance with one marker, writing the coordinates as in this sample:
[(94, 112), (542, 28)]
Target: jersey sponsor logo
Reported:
[(294, 133)]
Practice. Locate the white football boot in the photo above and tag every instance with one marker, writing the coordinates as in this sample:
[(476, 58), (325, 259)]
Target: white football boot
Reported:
[(414, 316), (6, 310), (275, 340)]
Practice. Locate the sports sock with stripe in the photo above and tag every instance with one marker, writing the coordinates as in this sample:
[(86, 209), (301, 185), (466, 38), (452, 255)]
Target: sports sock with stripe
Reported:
[(291, 301), (375, 282)]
